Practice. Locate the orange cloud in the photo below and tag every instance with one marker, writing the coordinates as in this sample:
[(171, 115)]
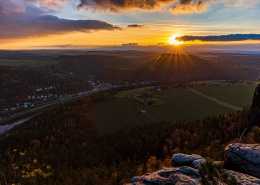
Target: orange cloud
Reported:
[(117, 5), (53, 4), (175, 6), (189, 6)]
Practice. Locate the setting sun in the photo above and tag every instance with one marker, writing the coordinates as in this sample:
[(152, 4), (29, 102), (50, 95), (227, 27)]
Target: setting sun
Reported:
[(172, 40)]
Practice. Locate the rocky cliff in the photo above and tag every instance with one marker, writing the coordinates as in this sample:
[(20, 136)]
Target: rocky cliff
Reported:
[(245, 157), (254, 112), (185, 169)]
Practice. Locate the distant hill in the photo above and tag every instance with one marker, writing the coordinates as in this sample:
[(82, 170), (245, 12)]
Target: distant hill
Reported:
[(164, 67), (177, 67), (18, 82), (24, 55), (104, 67), (134, 56)]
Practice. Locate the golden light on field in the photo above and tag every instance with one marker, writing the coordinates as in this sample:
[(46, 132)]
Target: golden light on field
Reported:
[(172, 40)]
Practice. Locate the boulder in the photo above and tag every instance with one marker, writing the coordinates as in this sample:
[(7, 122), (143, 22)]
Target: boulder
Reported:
[(172, 175), (245, 156), (193, 160), (243, 179)]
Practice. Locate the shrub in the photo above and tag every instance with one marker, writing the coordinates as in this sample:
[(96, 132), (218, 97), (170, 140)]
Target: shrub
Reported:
[(255, 134), (213, 174)]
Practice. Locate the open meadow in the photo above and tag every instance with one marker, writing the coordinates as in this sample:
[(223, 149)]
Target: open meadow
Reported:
[(238, 95), (178, 104), (119, 113)]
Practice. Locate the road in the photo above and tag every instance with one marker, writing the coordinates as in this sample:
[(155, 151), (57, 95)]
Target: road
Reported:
[(6, 128), (21, 117), (40, 108)]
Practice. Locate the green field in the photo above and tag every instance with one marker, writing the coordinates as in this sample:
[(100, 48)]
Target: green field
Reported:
[(27, 63), (184, 105), (238, 95), (114, 114), (179, 104), (124, 94)]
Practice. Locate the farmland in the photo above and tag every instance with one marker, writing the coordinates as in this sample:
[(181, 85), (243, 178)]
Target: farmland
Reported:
[(126, 93), (27, 63), (119, 113), (238, 95), (179, 104)]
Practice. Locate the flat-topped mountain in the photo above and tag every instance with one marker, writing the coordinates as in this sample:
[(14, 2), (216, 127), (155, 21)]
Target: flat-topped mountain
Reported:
[(177, 67)]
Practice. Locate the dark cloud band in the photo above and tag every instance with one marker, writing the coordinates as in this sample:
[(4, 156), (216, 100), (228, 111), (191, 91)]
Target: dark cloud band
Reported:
[(136, 26), (26, 19), (222, 38), (48, 24)]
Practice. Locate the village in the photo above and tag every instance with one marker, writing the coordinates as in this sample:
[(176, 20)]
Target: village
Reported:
[(44, 95)]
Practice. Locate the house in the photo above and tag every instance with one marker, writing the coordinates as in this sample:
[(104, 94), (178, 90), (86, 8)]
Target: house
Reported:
[(26, 105), (148, 102), (50, 95), (12, 108), (135, 96)]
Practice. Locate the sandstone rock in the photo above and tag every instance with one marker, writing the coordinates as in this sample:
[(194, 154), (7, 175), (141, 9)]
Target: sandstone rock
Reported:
[(135, 179), (246, 156), (254, 112), (193, 160), (183, 175), (243, 179)]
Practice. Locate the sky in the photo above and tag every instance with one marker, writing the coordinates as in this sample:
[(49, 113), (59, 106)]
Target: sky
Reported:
[(43, 24)]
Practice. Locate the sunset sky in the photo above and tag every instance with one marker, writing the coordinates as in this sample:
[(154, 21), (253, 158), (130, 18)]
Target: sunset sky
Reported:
[(36, 24)]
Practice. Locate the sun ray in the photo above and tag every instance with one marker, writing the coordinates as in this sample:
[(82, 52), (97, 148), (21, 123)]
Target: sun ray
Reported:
[(172, 40)]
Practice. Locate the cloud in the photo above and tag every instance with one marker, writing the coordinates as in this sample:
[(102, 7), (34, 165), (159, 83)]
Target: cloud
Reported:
[(189, 6), (116, 5), (136, 26), (28, 18), (222, 38), (20, 6), (48, 24), (174, 6), (52, 4)]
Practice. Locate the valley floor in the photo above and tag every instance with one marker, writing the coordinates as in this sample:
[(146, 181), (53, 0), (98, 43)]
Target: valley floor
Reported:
[(170, 105)]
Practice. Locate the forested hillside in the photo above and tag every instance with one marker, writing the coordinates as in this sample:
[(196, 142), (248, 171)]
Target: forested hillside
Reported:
[(63, 146), (17, 83), (178, 67), (106, 68)]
